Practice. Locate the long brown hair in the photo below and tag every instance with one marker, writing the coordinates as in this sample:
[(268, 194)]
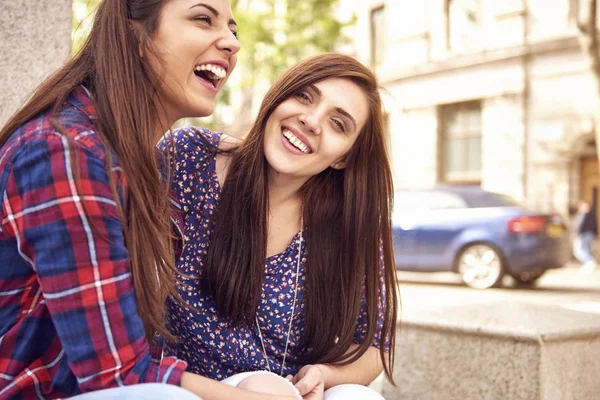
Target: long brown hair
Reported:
[(347, 214), (122, 85)]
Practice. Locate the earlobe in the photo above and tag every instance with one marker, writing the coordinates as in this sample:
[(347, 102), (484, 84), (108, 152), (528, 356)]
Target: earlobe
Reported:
[(339, 165)]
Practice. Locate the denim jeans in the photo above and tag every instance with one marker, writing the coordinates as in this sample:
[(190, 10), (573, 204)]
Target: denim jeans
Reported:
[(144, 391), (340, 392), (161, 391), (583, 247)]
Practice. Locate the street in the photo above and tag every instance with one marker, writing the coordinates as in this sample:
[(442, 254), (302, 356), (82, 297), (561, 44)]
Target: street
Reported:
[(563, 287)]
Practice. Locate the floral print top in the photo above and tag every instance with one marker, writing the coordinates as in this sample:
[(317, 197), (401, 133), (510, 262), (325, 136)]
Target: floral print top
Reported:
[(206, 340)]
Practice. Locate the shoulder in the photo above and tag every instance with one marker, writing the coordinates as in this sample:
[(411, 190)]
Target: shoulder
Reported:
[(188, 155), (229, 142), (190, 140), (190, 151), (71, 130)]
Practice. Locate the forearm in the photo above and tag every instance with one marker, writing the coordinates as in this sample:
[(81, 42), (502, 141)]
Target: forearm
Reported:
[(209, 389), (363, 371)]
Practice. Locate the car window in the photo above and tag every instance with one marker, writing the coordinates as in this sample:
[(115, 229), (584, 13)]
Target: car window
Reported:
[(427, 200), (489, 199)]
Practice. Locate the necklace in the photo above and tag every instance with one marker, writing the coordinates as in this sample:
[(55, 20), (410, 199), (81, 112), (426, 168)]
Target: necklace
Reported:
[(287, 340)]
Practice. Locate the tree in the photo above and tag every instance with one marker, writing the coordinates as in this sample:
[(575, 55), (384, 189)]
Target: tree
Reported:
[(588, 39), (276, 34)]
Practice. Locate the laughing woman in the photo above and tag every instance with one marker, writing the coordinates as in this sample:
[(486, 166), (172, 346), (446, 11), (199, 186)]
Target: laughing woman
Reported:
[(86, 260), (287, 249)]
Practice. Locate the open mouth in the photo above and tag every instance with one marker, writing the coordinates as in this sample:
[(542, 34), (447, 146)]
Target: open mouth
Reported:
[(210, 73), (295, 141)]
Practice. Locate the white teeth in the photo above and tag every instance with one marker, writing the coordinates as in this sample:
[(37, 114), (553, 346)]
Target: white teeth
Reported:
[(295, 141), (217, 71)]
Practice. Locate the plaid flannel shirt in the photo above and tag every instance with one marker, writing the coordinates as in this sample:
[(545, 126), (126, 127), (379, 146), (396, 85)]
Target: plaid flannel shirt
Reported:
[(68, 315)]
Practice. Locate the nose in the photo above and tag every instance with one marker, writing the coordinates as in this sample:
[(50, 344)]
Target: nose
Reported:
[(229, 43), (312, 122)]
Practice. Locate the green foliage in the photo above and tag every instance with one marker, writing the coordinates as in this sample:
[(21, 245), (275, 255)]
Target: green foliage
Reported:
[(276, 34)]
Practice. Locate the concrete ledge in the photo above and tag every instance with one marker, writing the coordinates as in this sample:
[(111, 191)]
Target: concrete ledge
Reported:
[(497, 351)]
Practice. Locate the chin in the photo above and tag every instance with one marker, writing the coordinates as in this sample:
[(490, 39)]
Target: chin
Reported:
[(282, 166), (196, 105), (199, 111)]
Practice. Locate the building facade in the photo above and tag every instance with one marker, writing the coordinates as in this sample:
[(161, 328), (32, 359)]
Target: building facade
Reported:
[(487, 92), (35, 39)]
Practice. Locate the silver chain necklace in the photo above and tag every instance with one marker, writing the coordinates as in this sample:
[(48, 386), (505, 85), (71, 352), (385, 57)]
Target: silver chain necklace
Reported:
[(287, 340)]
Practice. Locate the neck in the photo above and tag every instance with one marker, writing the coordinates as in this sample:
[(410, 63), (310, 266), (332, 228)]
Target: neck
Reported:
[(162, 124), (284, 191)]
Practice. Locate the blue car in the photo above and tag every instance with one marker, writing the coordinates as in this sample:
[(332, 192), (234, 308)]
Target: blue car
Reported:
[(478, 234)]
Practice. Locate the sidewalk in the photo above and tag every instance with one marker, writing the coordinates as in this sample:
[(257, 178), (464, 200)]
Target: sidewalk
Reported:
[(569, 276)]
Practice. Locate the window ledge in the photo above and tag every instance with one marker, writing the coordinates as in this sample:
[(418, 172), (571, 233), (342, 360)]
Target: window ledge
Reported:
[(462, 177), (510, 14), (413, 36), (456, 61)]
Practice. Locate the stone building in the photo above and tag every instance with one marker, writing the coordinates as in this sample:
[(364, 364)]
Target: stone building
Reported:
[(484, 92), (35, 39)]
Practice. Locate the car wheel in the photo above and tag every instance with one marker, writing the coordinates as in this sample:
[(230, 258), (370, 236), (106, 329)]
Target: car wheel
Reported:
[(527, 278), (480, 266)]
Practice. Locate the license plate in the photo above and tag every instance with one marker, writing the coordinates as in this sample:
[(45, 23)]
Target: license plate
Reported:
[(555, 231)]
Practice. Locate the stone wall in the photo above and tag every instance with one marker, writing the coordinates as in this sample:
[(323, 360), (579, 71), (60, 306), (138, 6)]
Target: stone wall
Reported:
[(35, 39), (497, 351)]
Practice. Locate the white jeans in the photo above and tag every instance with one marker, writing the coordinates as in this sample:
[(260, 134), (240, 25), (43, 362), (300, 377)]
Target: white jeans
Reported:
[(144, 391), (159, 391), (340, 392)]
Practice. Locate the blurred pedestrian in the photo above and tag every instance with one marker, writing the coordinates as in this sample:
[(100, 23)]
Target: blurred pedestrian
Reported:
[(586, 231)]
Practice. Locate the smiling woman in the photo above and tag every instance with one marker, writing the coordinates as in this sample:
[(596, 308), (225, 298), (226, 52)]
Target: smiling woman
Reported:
[(321, 122), (193, 55), (85, 234), (288, 256)]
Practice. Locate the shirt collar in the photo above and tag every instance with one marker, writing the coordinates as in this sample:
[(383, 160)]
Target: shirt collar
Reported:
[(82, 99)]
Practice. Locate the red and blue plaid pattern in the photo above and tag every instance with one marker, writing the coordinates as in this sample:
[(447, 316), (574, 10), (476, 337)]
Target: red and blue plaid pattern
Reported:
[(68, 316)]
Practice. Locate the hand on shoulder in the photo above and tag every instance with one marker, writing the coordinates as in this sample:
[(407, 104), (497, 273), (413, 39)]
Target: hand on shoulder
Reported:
[(229, 142)]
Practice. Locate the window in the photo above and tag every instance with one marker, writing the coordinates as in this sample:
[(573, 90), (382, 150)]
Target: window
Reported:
[(387, 132), (577, 11), (416, 201), (460, 143), (506, 8), (464, 24), (378, 30), (413, 20)]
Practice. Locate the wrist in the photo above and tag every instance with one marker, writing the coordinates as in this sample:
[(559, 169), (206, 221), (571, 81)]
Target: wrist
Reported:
[(328, 374)]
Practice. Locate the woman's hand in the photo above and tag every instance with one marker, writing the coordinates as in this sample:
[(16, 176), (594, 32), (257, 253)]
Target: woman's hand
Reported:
[(310, 382), (209, 389)]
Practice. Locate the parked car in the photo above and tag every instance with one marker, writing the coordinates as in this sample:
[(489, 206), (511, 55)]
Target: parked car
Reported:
[(478, 234)]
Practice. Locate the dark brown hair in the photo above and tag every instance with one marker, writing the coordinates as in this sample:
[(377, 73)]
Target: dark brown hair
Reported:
[(347, 215), (122, 85)]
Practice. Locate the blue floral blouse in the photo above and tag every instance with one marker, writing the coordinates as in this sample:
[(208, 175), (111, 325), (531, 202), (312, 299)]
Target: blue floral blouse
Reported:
[(206, 340)]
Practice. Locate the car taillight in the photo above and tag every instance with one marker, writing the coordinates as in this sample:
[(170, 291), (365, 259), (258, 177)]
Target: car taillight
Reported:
[(526, 224)]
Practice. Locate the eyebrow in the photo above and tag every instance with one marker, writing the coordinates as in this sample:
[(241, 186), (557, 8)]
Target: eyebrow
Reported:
[(338, 109), (214, 11)]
